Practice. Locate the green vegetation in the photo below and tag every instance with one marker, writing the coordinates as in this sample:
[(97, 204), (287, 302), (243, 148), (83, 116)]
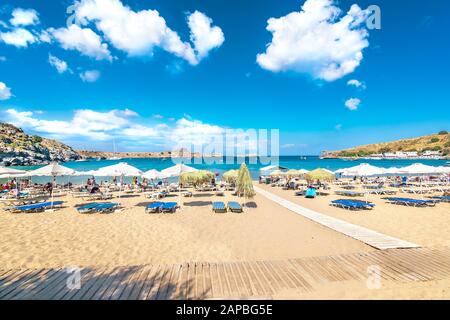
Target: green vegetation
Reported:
[(434, 140), (442, 133)]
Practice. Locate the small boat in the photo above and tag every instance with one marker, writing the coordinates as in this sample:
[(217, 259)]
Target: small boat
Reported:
[(81, 160), (447, 164)]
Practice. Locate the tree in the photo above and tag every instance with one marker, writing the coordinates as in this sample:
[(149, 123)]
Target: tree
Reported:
[(244, 185), (442, 133)]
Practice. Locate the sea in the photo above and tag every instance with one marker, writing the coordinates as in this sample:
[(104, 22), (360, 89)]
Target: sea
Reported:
[(221, 165)]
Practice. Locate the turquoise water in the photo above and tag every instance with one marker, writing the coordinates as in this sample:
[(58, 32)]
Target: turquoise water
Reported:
[(291, 162)]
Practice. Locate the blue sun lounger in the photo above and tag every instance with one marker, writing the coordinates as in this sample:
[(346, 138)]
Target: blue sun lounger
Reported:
[(442, 199), (154, 207), (169, 207), (98, 207), (352, 204), (219, 207), (411, 202), (311, 193), (37, 207), (235, 207)]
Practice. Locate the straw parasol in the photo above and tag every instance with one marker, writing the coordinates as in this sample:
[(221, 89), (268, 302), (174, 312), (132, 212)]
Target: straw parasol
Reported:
[(244, 184), (320, 174), (231, 176), (197, 178), (276, 173)]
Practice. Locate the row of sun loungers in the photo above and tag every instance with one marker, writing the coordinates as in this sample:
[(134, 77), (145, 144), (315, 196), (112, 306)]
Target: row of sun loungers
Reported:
[(36, 207), (411, 202), (232, 206), (164, 207), (106, 207), (352, 204)]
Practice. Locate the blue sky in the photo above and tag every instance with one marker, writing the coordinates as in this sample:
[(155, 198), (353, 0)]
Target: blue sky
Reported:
[(204, 76)]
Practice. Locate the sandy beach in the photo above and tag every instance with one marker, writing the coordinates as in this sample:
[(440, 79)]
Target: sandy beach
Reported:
[(426, 227), (194, 233)]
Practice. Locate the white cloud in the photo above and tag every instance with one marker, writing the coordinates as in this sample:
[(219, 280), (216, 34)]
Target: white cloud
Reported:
[(352, 103), (204, 36), (356, 83), (90, 75), (5, 92), (60, 65), (194, 132), (315, 41), (87, 123), (24, 17), (84, 40), (136, 33), (158, 116), (19, 37)]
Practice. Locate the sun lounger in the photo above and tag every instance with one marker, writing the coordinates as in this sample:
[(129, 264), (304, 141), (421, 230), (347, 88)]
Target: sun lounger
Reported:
[(154, 207), (411, 202), (442, 198), (37, 207), (382, 192), (169, 207), (347, 193), (352, 204), (235, 207), (219, 207), (98, 207)]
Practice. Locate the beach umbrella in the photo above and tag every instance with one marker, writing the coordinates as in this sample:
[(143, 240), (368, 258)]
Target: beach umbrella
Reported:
[(245, 183), (362, 170), (7, 172), (122, 169), (320, 174), (177, 170), (231, 176), (197, 177), (268, 169), (276, 173), (52, 170), (417, 169), (393, 170), (154, 175), (302, 171)]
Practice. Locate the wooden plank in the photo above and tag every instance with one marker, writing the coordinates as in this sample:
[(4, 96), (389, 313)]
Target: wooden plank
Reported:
[(139, 283), (166, 285), (174, 292), (87, 278), (95, 280), (151, 282), (18, 280), (34, 287), (22, 285), (126, 286), (113, 285)]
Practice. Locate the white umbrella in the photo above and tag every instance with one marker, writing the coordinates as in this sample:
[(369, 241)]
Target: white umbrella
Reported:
[(302, 171), (362, 170), (442, 169), (52, 170), (177, 170), (154, 175), (393, 170), (120, 169), (417, 169), (272, 168), (6, 172)]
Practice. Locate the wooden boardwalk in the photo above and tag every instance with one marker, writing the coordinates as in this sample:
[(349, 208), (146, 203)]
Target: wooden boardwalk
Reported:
[(369, 237), (252, 280)]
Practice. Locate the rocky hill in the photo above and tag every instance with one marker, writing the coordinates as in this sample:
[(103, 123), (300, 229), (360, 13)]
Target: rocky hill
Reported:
[(435, 142), (18, 148), (163, 154)]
